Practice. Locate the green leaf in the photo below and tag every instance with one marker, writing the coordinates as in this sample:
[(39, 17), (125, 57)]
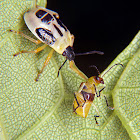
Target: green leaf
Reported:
[(43, 109), (127, 90)]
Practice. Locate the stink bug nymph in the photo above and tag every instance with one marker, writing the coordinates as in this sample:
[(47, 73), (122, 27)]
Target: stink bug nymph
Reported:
[(84, 97), (48, 28)]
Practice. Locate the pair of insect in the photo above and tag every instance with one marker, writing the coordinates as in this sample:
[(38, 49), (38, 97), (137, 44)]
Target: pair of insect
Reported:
[(48, 28)]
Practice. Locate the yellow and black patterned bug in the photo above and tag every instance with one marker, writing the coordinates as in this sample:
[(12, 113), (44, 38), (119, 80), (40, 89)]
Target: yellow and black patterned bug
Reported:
[(84, 97)]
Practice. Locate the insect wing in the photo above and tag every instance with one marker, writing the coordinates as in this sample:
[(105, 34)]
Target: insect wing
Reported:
[(47, 27), (83, 108)]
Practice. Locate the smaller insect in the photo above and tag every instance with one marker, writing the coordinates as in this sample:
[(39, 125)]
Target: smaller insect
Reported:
[(86, 94)]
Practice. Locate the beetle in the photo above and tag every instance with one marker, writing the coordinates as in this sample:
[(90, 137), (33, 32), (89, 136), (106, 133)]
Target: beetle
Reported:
[(84, 97), (48, 28)]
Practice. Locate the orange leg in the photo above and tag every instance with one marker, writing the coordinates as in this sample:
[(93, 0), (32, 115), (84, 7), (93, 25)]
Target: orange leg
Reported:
[(74, 68), (45, 63), (27, 37), (34, 51), (31, 39)]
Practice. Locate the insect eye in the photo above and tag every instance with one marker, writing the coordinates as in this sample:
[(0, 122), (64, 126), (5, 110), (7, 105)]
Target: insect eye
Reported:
[(97, 78)]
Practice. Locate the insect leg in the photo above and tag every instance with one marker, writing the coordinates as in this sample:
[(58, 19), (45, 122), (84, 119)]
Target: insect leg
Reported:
[(96, 119), (45, 63), (82, 92), (81, 87), (74, 109), (105, 97), (27, 37), (34, 51), (112, 108), (97, 112), (74, 68), (61, 67), (100, 91), (96, 91), (79, 91)]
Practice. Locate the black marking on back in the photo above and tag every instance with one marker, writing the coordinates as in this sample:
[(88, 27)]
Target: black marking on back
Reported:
[(58, 30), (60, 23), (88, 96), (47, 18), (46, 35), (40, 13)]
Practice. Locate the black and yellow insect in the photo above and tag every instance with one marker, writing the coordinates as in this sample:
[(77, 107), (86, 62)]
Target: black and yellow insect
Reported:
[(84, 97)]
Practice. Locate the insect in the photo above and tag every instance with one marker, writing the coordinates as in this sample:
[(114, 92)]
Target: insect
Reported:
[(86, 94), (48, 28)]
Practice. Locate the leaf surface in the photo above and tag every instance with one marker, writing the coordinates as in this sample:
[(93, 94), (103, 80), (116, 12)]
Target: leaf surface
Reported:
[(127, 90), (43, 109)]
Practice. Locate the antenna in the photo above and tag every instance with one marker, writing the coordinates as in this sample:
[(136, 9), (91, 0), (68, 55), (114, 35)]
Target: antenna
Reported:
[(91, 52), (95, 68), (111, 68)]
